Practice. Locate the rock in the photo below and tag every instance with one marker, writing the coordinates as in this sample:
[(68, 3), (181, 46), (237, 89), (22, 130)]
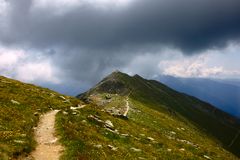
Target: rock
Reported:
[(66, 101), (150, 138), (205, 156), (36, 114), (84, 121), (15, 102), (125, 135), (74, 113), (73, 108), (63, 98), (173, 132), (113, 131), (65, 113), (109, 124), (112, 147), (52, 95), (95, 118), (141, 158), (143, 135), (181, 149), (78, 107), (97, 146), (135, 149), (183, 129), (169, 150)]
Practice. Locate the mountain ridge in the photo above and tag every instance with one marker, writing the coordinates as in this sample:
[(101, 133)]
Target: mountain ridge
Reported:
[(153, 93), (217, 92), (110, 126)]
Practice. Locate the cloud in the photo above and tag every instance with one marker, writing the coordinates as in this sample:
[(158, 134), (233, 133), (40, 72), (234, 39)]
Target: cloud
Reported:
[(81, 41), (189, 25), (36, 72), (8, 58), (19, 64), (199, 66)]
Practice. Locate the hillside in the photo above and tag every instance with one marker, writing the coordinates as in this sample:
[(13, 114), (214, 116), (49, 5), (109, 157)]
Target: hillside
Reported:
[(20, 108), (221, 93), (113, 124), (180, 107)]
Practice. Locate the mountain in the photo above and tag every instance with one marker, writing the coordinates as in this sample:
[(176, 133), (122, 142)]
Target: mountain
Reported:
[(224, 94), (122, 117), (157, 96)]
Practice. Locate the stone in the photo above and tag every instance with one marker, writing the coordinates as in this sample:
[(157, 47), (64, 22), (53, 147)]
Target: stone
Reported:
[(73, 108), (135, 149), (150, 138), (205, 156), (173, 132), (113, 131), (181, 149), (15, 102), (84, 121), (52, 95), (95, 118), (169, 150), (112, 147), (97, 146), (125, 135), (63, 98), (65, 113), (109, 124)]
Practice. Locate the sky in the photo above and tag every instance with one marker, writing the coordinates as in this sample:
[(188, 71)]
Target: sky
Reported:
[(78, 42)]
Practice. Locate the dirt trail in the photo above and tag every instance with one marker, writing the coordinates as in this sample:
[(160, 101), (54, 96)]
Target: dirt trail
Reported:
[(127, 108), (47, 148)]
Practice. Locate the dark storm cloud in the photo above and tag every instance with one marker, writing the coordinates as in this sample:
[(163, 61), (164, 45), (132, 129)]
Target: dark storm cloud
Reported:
[(190, 25), (85, 42)]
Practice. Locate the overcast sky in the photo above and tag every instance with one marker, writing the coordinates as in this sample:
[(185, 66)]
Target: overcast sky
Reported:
[(77, 42)]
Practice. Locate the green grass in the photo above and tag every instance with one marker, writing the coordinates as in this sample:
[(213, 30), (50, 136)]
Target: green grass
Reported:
[(153, 94), (18, 120), (83, 137), (80, 134)]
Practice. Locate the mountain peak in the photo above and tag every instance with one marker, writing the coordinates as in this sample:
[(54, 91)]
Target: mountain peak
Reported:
[(159, 97)]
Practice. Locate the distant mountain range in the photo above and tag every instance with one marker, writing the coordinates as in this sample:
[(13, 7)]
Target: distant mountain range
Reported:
[(224, 94)]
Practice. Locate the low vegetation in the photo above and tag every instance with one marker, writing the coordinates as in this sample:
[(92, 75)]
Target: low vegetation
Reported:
[(20, 107), (144, 134), (98, 129)]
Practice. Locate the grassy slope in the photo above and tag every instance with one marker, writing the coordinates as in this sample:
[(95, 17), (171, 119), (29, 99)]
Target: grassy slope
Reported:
[(154, 94), (17, 120), (174, 138), (159, 97), (79, 134)]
